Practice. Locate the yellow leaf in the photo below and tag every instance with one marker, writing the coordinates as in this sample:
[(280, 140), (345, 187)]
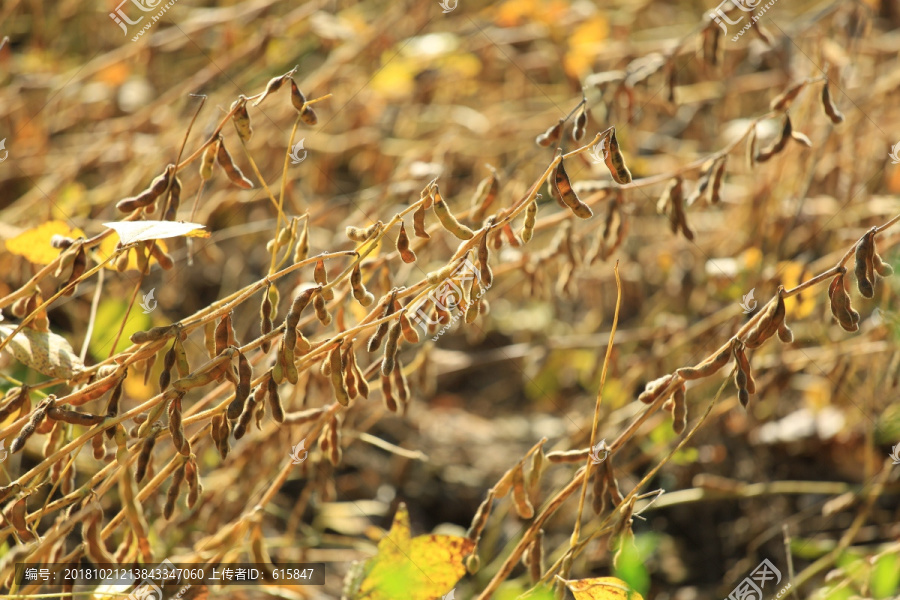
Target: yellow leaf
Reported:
[(421, 568), (602, 588), (792, 274), (34, 244), (584, 45)]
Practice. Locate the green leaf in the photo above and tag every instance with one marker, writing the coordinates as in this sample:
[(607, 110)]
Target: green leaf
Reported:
[(885, 577), (110, 313)]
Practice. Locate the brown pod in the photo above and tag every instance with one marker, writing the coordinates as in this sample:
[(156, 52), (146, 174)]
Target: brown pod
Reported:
[(164, 260), (361, 383), (231, 170), (484, 253), (144, 457), (174, 490), (409, 332), (173, 204), (840, 304), (653, 389), (321, 277), (390, 349), (521, 501), (535, 557), (97, 448), (175, 426), (362, 295), (192, 475), (336, 362), (265, 321), (485, 195), (598, 490), (301, 250), (580, 126), (146, 197), (37, 417), (402, 385), (79, 266), (297, 97), (74, 417), (151, 335), (568, 195), (530, 220), (716, 182), (15, 399), (241, 119), (382, 328), (363, 235), (181, 361), (165, 377), (209, 160), (551, 136), (615, 160), (274, 401), (350, 374), (828, 106), (779, 144), (679, 410), (321, 310), (479, 521), (785, 334), (419, 222), (403, 248), (864, 268), (447, 219), (784, 99), (388, 394), (707, 367), (221, 335), (741, 374), (257, 397)]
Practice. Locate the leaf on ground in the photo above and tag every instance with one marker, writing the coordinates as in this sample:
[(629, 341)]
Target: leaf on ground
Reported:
[(42, 351), (602, 588), (34, 244), (139, 231), (420, 568)]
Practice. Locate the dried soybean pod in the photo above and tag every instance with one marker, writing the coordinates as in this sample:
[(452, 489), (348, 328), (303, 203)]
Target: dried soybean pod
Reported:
[(165, 377), (409, 332), (274, 401), (209, 338), (241, 119), (881, 267), (568, 195), (502, 487), (37, 417), (403, 248), (144, 457), (419, 222), (679, 410), (337, 376), (615, 160), (599, 489), (779, 144), (231, 170), (362, 295), (740, 374), (222, 334), (174, 489), (349, 374), (164, 260), (653, 389), (265, 320), (447, 219), (390, 349), (485, 195), (382, 328), (479, 521), (242, 389), (828, 106), (535, 556), (551, 136), (716, 182), (751, 148), (840, 304), (79, 265), (484, 253), (94, 547), (388, 394), (864, 268), (580, 126), (530, 220), (112, 407), (192, 474), (222, 441), (146, 197), (359, 235), (209, 160), (97, 447), (321, 278), (15, 399), (334, 441), (257, 397), (785, 334), (301, 250), (784, 99), (321, 310), (181, 361), (175, 427), (706, 368), (520, 496), (272, 86), (74, 417), (361, 382), (173, 205), (402, 385)]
